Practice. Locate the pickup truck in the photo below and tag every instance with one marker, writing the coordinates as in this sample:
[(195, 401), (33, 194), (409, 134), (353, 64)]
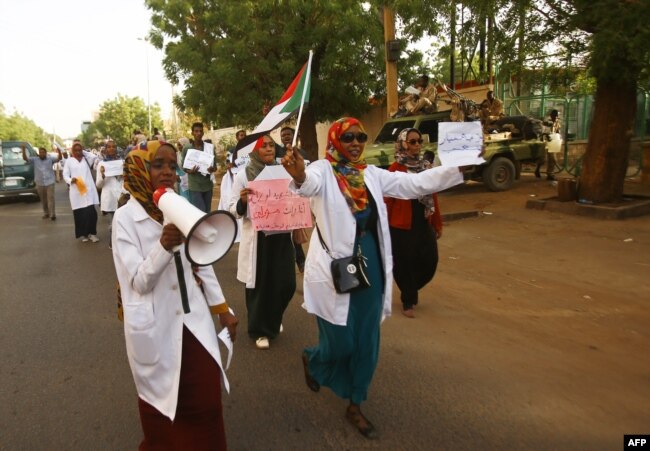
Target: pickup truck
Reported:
[(17, 176), (504, 152)]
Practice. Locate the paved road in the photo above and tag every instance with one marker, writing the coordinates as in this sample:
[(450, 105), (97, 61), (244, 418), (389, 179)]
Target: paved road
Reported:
[(440, 385)]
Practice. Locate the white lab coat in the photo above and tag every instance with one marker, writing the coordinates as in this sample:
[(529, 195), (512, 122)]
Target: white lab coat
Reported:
[(111, 189), (224, 200), (81, 170), (226, 191), (338, 228), (153, 313), (247, 257)]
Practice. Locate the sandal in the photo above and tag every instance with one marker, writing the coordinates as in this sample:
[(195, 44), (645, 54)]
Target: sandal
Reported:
[(358, 420), (309, 380)]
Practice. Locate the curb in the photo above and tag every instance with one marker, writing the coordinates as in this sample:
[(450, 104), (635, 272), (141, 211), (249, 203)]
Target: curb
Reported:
[(447, 217), (631, 207)]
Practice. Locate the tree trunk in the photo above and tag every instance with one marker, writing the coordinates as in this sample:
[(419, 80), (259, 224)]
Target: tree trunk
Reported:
[(606, 159), (308, 136), (521, 52)]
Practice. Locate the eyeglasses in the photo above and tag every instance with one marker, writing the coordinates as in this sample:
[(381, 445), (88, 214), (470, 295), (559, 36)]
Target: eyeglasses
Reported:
[(415, 141), (348, 137)]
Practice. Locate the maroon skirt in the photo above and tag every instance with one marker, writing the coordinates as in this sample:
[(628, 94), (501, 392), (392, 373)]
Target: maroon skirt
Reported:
[(198, 424)]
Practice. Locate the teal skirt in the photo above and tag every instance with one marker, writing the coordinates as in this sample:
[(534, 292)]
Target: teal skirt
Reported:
[(346, 356)]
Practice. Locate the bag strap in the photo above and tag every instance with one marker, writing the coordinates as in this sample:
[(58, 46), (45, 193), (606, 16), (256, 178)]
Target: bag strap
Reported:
[(322, 242), (320, 237), (89, 167)]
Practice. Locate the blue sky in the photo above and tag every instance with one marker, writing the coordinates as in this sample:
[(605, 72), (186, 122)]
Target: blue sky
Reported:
[(59, 60)]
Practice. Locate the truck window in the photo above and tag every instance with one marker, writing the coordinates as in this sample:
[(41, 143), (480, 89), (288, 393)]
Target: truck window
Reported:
[(390, 130), (430, 127)]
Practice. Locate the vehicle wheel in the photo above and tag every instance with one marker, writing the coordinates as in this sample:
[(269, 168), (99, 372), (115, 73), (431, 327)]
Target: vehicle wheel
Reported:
[(500, 174)]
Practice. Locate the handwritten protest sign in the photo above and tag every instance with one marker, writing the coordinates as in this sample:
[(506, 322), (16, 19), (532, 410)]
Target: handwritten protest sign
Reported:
[(273, 207), (194, 158), (113, 168), (242, 161), (459, 143)]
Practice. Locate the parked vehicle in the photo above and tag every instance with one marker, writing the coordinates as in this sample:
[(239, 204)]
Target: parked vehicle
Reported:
[(16, 175), (504, 152)]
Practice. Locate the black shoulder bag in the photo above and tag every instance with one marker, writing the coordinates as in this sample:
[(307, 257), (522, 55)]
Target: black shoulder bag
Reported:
[(348, 273)]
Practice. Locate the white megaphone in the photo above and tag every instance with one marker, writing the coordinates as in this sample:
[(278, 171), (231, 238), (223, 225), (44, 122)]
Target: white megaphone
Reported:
[(209, 236)]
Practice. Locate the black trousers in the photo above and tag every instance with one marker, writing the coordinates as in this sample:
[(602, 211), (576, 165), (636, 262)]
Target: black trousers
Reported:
[(415, 259), (85, 221)]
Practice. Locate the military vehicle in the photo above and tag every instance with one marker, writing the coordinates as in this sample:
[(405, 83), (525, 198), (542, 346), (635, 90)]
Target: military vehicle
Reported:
[(504, 151)]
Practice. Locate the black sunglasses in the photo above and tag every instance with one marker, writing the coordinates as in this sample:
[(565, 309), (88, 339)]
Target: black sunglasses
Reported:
[(415, 141), (348, 137)]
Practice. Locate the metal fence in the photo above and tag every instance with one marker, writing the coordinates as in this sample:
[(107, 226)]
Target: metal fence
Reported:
[(576, 115)]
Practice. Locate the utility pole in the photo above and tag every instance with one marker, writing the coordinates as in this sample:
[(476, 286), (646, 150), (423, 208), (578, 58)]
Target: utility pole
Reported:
[(391, 62), (174, 116), (146, 41)]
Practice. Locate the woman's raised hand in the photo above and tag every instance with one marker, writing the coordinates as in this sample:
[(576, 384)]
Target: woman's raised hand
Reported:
[(294, 163)]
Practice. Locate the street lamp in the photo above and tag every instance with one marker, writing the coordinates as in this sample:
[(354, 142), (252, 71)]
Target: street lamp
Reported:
[(146, 40)]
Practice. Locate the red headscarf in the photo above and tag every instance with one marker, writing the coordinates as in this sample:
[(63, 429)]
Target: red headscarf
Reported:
[(349, 175)]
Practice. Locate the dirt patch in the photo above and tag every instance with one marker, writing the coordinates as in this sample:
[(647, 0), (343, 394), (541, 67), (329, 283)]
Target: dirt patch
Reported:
[(558, 306)]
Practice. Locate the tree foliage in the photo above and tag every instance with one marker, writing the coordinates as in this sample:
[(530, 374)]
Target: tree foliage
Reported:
[(233, 56), (610, 38), (17, 127), (119, 117), (90, 137)]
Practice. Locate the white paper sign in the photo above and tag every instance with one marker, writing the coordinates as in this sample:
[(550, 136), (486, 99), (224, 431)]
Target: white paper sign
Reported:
[(195, 157), (112, 168), (224, 336), (242, 160), (413, 91), (460, 143), (272, 172)]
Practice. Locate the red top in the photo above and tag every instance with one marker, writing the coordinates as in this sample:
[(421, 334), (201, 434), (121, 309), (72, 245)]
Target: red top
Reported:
[(399, 210)]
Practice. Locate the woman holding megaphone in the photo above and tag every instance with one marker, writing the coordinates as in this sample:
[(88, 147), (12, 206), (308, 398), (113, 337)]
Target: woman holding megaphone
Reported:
[(174, 357)]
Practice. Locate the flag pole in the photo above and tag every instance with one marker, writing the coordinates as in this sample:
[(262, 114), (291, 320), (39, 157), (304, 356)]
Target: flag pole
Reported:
[(302, 100)]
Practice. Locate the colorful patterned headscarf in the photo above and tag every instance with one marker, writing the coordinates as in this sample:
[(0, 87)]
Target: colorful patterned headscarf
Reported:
[(137, 176), (256, 165), (414, 163), (349, 175)]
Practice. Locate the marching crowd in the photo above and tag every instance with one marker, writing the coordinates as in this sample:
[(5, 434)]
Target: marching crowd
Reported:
[(378, 224)]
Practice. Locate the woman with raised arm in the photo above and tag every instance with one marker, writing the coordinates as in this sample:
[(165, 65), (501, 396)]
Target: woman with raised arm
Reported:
[(347, 202)]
